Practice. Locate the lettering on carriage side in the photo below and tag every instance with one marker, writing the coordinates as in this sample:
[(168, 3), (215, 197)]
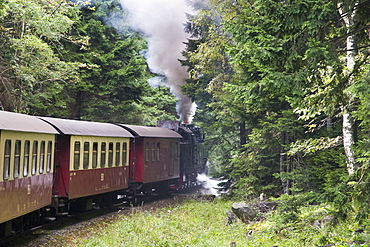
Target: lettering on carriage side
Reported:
[(103, 187), (2, 188), (28, 189), (31, 204), (102, 177)]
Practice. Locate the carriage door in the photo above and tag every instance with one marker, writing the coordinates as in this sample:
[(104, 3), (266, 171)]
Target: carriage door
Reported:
[(172, 162)]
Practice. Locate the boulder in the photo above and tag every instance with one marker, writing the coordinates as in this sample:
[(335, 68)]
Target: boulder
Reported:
[(231, 217), (245, 212), (251, 212)]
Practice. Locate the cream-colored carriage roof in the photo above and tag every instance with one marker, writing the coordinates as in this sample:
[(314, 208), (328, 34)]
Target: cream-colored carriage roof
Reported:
[(25, 123)]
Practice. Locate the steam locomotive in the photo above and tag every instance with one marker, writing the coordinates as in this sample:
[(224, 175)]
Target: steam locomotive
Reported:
[(50, 166)]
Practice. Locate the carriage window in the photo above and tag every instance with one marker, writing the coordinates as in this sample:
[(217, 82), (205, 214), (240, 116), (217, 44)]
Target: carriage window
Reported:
[(48, 157), (34, 157), (26, 158), (147, 151), (86, 155), (124, 153), (153, 151), (7, 150), (158, 151), (76, 156), (42, 157), (118, 154), (17, 158), (110, 154), (95, 155), (103, 154)]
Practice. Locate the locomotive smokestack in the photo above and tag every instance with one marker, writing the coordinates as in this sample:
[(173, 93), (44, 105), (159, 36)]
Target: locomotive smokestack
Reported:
[(162, 22)]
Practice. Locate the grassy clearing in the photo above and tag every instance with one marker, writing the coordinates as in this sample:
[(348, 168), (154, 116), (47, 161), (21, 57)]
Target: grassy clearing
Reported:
[(192, 223), (195, 223)]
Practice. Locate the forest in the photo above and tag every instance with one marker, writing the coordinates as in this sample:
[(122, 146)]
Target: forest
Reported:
[(282, 87)]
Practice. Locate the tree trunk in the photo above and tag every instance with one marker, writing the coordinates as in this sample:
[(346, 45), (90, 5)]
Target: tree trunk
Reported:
[(348, 141), (243, 134), (348, 14)]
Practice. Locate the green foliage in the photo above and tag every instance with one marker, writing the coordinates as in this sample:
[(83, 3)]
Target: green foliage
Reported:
[(111, 69), (290, 206), (361, 89), (318, 172), (252, 171), (359, 183), (32, 74), (156, 104)]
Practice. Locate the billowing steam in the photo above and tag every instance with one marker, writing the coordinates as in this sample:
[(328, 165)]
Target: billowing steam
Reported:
[(209, 185), (162, 22)]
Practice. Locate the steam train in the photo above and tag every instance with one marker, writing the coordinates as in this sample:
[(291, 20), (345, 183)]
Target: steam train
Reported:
[(50, 166)]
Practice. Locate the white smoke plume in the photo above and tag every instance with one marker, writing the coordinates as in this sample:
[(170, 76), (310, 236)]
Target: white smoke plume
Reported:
[(162, 23), (209, 185)]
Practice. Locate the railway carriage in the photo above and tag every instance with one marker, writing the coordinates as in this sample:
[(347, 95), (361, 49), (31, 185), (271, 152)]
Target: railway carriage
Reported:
[(91, 159), (26, 168), (155, 158)]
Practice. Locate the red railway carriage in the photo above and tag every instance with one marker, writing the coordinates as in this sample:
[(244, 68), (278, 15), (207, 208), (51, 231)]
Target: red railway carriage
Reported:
[(26, 170), (91, 159), (154, 156)]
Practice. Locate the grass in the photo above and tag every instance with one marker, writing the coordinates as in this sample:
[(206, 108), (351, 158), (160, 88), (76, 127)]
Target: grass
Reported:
[(192, 223), (195, 223)]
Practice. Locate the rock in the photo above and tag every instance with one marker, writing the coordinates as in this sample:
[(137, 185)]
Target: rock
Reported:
[(244, 212), (231, 217), (250, 212)]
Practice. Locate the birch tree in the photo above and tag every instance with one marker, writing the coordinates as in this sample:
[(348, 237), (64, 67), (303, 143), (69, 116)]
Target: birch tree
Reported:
[(348, 13)]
